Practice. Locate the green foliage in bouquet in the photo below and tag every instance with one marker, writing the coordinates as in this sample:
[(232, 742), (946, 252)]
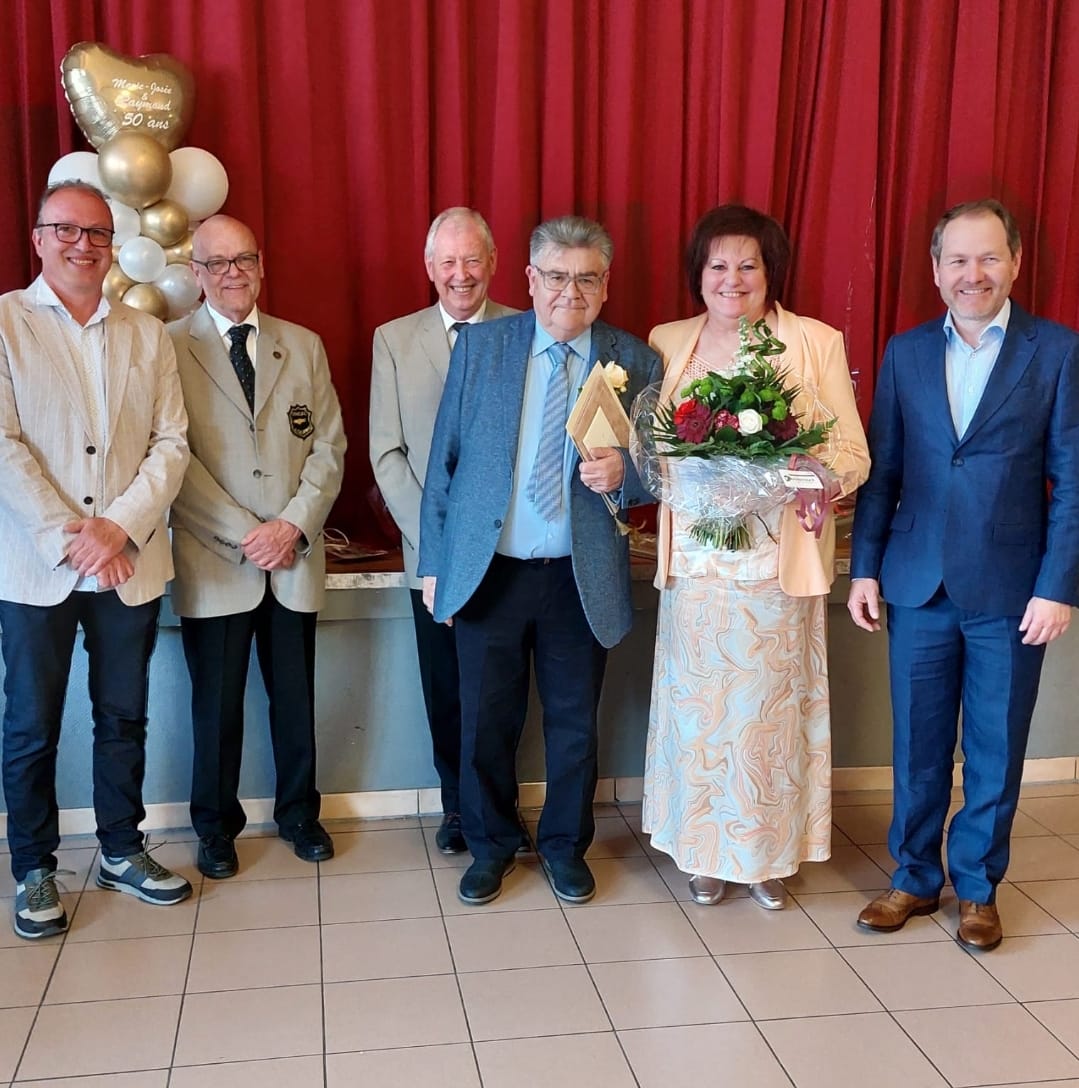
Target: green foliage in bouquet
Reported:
[(748, 413)]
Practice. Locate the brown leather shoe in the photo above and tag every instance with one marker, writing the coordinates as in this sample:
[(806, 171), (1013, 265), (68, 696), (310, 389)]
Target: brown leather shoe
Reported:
[(979, 925), (890, 911)]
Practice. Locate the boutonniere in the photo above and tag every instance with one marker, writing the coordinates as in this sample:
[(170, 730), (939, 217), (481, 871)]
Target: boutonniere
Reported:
[(617, 377)]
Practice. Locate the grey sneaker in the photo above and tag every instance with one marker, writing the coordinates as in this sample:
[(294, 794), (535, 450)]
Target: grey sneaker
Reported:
[(38, 910), (140, 875)]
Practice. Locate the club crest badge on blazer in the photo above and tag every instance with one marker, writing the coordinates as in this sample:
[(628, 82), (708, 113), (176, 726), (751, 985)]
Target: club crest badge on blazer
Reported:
[(300, 421)]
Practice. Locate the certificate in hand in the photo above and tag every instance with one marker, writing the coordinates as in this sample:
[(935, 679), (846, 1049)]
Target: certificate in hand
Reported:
[(598, 418)]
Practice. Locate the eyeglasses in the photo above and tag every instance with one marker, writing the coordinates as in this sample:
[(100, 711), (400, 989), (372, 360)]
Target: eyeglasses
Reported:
[(71, 233), (218, 266), (588, 283)]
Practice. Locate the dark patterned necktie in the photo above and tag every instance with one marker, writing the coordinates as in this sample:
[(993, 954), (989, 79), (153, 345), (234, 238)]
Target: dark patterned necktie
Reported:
[(241, 361)]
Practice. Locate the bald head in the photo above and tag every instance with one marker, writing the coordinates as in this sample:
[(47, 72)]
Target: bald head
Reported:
[(228, 265)]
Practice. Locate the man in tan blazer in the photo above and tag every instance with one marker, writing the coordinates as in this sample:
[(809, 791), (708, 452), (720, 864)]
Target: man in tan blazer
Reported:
[(410, 358), (267, 453), (92, 451)]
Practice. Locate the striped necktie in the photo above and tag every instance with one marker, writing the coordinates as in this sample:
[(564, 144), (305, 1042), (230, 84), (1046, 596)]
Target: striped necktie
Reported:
[(545, 484)]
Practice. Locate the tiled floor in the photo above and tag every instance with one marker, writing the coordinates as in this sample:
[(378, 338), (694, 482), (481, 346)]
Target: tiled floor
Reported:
[(367, 970)]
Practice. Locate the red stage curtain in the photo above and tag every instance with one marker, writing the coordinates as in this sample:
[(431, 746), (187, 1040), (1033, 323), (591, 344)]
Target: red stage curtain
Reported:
[(345, 125)]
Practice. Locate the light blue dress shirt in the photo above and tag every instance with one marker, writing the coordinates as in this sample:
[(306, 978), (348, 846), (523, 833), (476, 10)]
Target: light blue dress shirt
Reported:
[(525, 534), (967, 369)]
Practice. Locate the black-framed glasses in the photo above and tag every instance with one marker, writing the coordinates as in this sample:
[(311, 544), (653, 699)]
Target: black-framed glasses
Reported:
[(588, 283), (70, 233), (218, 266)]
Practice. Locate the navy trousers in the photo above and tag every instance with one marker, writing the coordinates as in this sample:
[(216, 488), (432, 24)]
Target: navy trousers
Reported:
[(436, 647), (218, 650), (37, 645), (943, 660), (527, 613)]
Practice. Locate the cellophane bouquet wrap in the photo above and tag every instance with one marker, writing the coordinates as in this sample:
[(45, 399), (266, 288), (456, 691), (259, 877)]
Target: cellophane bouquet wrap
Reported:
[(717, 454)]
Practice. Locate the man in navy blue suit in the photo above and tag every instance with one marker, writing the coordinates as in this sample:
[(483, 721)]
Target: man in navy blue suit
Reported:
[(519, 550), (969, 527)]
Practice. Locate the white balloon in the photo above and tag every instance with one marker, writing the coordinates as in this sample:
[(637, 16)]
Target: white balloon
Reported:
[(199, 182), (76, 166), (125, 222), (142, 259), (180, 288)]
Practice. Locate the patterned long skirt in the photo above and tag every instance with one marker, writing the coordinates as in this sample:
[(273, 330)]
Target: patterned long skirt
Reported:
[(737, 780)]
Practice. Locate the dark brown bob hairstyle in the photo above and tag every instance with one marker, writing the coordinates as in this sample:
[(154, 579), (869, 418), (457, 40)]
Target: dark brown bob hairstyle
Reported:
[(737, 219)]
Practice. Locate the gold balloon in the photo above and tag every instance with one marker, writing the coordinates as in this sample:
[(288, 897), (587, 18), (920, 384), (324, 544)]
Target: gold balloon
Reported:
[(165, 222), (109, 93), (116, 247), (182, 251), (116, 284), (134, 169), (146, 297)]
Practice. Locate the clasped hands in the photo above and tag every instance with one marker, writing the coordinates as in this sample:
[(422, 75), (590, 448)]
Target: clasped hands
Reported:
[(271, 545), (98, 551)]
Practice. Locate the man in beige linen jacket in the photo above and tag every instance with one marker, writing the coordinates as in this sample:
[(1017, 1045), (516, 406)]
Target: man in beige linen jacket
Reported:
[(92, 451), (267, 452)]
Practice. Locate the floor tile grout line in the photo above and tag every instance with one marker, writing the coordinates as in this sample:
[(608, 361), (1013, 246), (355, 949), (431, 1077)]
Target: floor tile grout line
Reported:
[(52, 971), (321, 974), (449, 947), (1074, 1051), (196, 890), (580, 952)]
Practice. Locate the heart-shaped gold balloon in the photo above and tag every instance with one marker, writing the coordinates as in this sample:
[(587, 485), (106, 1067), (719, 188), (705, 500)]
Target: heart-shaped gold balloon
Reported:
[(110, 93)]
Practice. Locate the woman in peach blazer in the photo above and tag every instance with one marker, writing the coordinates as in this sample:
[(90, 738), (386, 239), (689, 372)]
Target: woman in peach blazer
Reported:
[(738, 764)]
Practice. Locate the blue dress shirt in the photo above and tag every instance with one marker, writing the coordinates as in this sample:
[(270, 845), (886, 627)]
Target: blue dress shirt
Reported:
[(525, 534)]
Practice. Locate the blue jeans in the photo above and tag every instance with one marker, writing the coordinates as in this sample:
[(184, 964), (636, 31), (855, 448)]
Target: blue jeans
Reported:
[(37, 644)]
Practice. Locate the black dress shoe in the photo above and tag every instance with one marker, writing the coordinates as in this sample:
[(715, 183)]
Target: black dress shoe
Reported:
[(448, 837), (217, 857), (571, 879), (482, 881), (309, 840)]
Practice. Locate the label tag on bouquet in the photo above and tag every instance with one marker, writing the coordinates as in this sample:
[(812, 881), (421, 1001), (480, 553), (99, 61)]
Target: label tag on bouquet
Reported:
[(801, 479)]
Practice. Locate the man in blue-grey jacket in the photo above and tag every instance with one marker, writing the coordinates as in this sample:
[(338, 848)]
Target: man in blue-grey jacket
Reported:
[(519, 549), (978, 559)]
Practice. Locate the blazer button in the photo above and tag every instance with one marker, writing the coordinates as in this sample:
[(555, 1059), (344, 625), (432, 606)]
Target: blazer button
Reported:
[(88, 501), (251, 427), (257, 474), (498, 523), (91, 449), (957, 461)]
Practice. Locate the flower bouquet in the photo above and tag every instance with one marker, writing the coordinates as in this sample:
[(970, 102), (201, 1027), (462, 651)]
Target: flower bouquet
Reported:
[(722, 454)]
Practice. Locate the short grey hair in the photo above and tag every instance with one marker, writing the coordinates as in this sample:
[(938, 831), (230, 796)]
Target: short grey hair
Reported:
[(79, 187), (976, 207), (571, 232), (470, 215)]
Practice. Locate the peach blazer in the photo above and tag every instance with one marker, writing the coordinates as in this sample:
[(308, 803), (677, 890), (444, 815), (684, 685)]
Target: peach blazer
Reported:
[(816, 362)]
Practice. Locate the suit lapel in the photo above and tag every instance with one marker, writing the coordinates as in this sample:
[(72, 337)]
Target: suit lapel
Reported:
[(929, 361), (432, 338), (1016, 354), (513, 364), (209, 351), (673, 374), (57, 352), (118, 353), (270, 359)]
